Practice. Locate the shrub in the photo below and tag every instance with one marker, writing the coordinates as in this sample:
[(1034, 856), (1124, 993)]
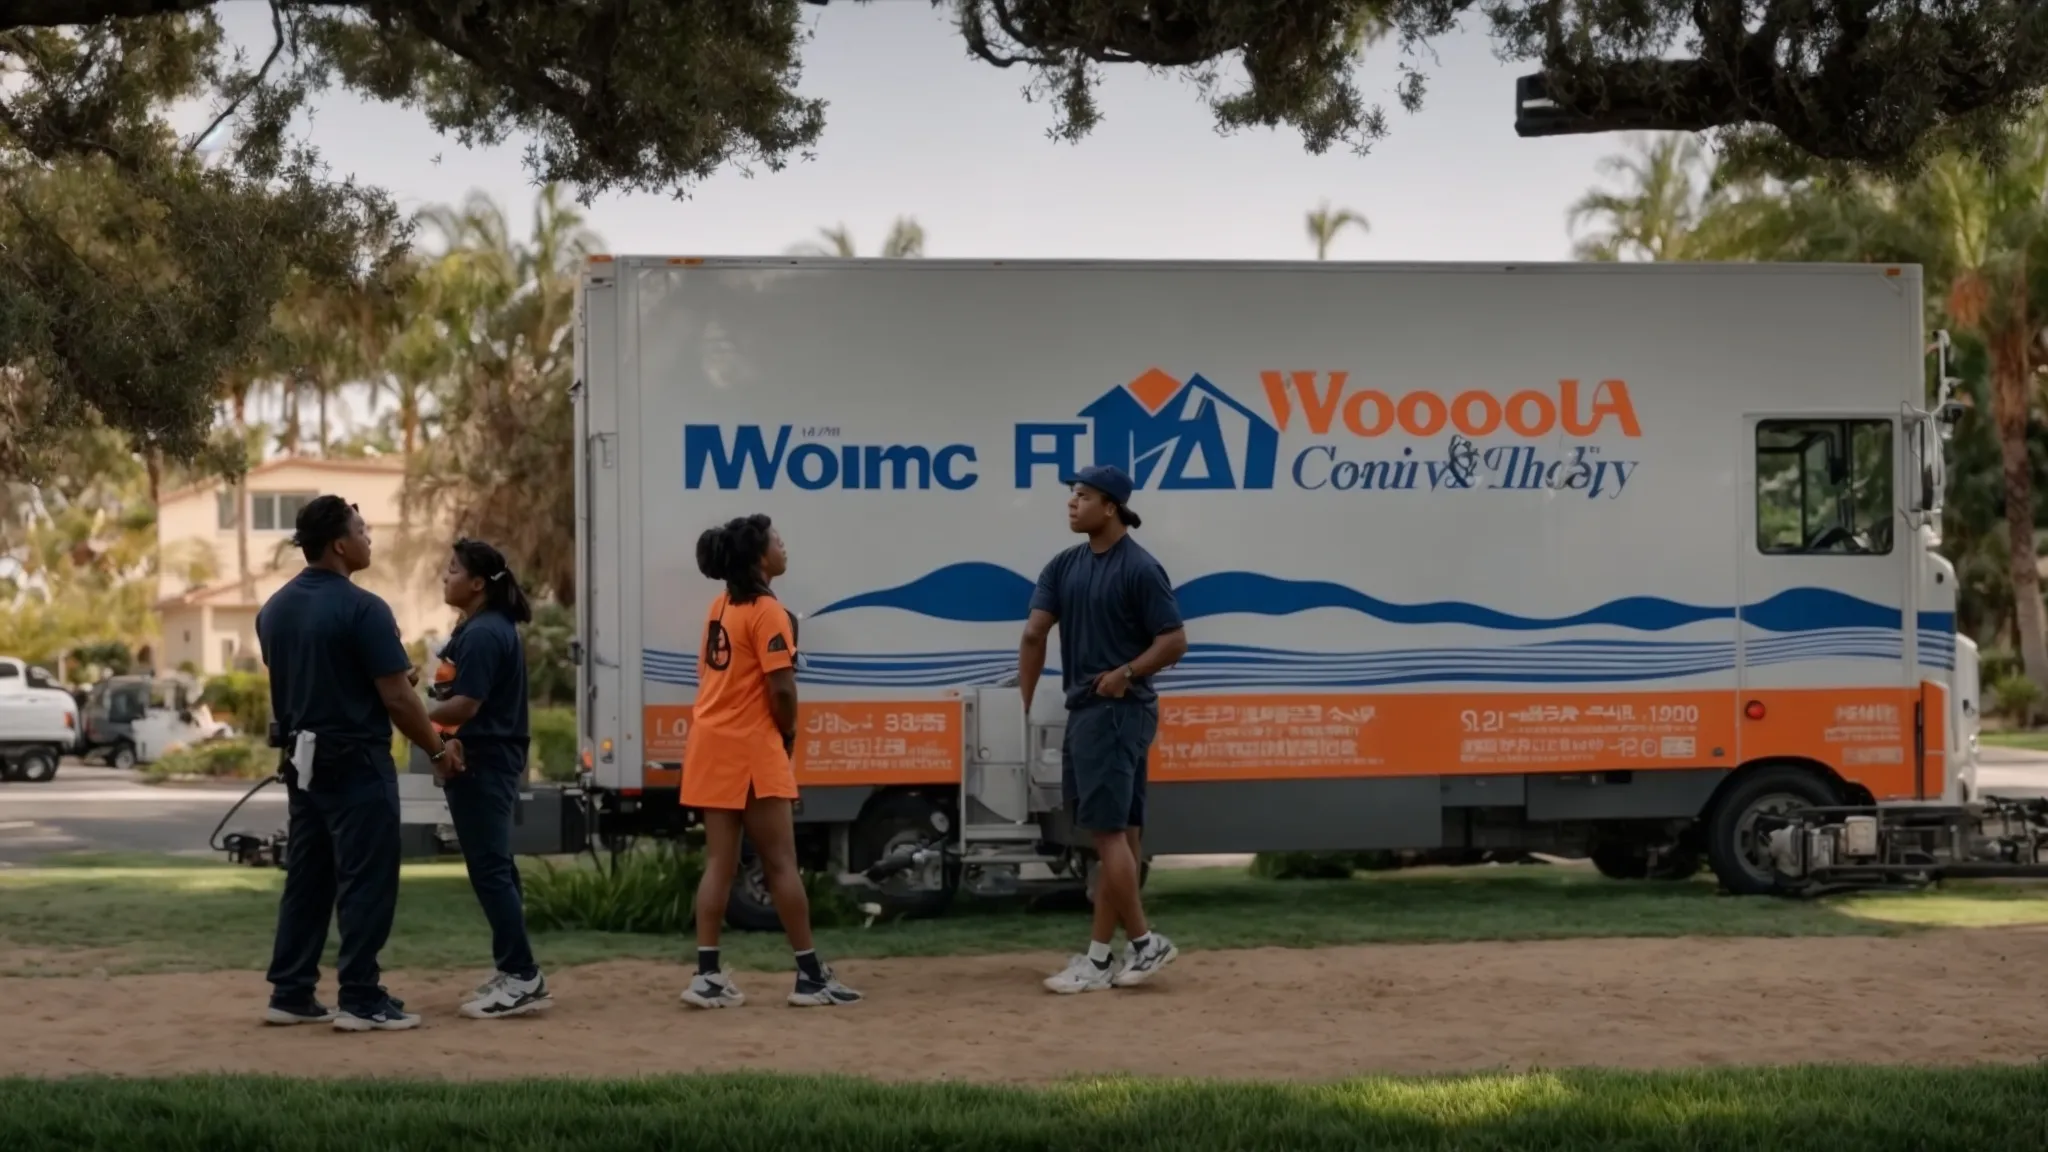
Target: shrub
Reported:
[(649, 889), (242, 697), (554, 743), (1995, 664), (239, 758), (2017, 697), (1304, 865), (550, 674)]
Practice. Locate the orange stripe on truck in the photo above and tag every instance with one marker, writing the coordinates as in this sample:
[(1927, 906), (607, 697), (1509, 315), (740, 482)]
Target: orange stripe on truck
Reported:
[(1865, 734)]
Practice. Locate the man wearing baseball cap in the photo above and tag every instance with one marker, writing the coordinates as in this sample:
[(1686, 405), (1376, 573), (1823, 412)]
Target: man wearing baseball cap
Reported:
[(1119, 626)]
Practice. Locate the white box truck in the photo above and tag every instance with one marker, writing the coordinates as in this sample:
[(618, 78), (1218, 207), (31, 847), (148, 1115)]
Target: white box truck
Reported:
[(1629, 561)]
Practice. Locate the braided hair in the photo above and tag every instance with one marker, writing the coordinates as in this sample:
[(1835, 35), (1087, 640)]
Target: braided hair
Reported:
[(732, 552), (501, 589)]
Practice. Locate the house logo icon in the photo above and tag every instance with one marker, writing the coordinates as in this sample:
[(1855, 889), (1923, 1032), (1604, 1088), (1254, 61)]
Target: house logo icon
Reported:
[(1169, 434)]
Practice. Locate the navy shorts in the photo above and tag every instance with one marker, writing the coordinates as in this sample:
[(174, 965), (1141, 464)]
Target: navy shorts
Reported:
[(1102, 763)]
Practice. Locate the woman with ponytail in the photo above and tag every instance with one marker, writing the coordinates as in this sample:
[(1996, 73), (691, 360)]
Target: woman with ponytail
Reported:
[(736, 758), (480, 695)]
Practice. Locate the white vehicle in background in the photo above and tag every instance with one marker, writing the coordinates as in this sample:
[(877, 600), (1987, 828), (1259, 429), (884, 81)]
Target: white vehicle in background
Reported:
[(38, 723)]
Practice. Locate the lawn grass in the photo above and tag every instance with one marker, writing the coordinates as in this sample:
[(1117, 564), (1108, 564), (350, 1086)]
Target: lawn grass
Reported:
[(140, 914), (2029, 739), (1789, 1110)]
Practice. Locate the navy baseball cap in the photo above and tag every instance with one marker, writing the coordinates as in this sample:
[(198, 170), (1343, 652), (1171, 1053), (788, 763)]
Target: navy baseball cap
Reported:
[(1112, 482)]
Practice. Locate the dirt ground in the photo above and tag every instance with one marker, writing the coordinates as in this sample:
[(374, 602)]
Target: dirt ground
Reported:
[(1947, 998)]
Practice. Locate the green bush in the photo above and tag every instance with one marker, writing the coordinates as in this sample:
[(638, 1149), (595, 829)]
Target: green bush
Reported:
[(554, 743), (1304, 865), (649, 889), (241, 697), (550, 674), (1995, 664), (2017, 697), (239, 758)]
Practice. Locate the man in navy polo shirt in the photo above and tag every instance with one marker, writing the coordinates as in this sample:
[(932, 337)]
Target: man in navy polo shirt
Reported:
[(339, 678), (1119, 626)]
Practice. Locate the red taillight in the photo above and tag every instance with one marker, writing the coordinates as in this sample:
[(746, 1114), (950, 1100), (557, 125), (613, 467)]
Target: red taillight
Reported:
[(1754, 710)]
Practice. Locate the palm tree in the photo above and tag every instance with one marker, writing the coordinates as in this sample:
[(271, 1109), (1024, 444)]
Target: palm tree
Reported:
[(905, 241), (503, 310), (1325, 225), (1671, 205)]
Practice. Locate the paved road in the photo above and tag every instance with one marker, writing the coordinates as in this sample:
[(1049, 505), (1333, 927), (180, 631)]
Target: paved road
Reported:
[(102, 810)]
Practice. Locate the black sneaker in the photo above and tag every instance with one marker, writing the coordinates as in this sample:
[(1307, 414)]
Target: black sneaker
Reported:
[(390, 1016), (826, 993), (303, 1012)]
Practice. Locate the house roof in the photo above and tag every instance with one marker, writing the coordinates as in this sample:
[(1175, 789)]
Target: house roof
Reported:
[(359, 466)]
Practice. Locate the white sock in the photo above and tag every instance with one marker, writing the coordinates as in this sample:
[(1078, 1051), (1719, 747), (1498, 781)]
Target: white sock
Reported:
[(1139, 942), (1098, 951)]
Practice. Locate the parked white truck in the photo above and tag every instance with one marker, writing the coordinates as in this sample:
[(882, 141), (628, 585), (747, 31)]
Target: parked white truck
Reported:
[(38, 722), (1622, 560)]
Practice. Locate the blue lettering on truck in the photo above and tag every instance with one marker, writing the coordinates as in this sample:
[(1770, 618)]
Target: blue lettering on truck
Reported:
[(814, 465)]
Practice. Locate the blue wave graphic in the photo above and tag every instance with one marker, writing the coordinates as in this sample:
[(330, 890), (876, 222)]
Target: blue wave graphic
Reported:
[(989, 593), (1232, 666)]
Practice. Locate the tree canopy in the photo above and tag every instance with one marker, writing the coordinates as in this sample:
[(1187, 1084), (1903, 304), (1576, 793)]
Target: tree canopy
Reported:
[(140, 269)]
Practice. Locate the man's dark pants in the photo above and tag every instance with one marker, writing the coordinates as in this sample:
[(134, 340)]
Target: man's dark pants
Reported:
[(1103, 762), (481, 802), (341, 862)]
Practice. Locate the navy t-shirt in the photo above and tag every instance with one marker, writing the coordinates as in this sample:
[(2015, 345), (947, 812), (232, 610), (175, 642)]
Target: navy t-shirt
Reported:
[(326, 643), (490, 668), (1110, 608)]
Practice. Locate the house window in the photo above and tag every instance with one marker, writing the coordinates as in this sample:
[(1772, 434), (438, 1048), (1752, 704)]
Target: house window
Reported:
[(1824, 487), (227, 654), (275, 511)]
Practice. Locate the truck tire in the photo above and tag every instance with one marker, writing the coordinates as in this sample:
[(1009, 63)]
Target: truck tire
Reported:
[(1681, 861), (749, 907), (892, 822), (10, 768), (37, 766), (1622, 861), (122, 757), (1733, 850)]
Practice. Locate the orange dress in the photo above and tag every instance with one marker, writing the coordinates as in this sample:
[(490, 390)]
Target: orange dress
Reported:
[(733, 745)]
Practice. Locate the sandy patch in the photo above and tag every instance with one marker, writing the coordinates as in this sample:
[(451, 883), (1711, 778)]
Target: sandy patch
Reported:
[(1940, 998)]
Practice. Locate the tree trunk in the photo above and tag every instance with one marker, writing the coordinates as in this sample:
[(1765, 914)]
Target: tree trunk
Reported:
[(153, 462), (322, 396), (2011, 403), (247, 576)]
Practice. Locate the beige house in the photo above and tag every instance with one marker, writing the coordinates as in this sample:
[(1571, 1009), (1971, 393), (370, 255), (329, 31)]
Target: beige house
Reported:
[(211, 625)]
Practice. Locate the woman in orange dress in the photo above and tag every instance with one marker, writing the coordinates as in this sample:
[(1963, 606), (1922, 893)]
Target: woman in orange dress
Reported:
[(736, 758)]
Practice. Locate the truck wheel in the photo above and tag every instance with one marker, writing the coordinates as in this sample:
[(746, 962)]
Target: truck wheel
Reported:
[(123, 757), (749, 907), (1680, 862), (1622, 861), (1738, 855), (10, 770), (36, 767), (898, 821)]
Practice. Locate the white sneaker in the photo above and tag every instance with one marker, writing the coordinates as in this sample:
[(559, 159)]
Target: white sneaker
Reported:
[(484, 989), (1080, 975), (509, 996), (1140, 966), (715, 991)]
